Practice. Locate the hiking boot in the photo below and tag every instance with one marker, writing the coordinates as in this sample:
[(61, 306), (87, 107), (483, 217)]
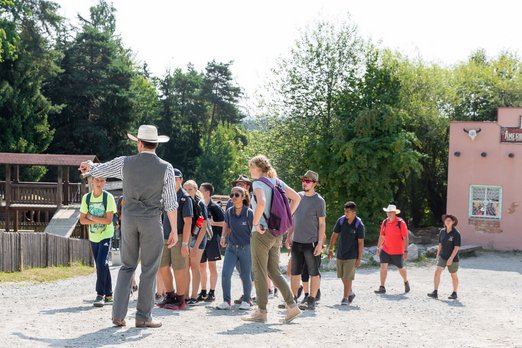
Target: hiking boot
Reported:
[(239, 300), (291, 313), (168, 300), (300, 291), (202, 296), (210, 297), (192, 302), (244, 306), (224, 306), (453, 296), (258, 316), (118, 322), (382, 290), (158, 298), (345, 301), (433, 294), (151, 324), (305, 299), (98, 301), (350, 298), (406, 287), (108, 301)]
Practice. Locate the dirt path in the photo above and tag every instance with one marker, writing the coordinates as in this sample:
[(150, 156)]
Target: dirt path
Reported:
[(488, 314)]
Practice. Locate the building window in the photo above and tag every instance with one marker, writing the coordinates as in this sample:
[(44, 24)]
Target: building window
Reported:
[(485, 202)]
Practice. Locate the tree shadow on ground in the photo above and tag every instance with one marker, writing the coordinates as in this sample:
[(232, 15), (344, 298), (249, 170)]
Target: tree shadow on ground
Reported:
[(104, 337)]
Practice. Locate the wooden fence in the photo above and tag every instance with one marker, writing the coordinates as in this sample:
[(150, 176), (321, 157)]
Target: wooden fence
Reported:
[(21, 250)]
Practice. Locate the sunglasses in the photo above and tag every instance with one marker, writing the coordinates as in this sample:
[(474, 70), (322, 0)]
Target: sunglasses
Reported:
[(307, 181), (235, 194)]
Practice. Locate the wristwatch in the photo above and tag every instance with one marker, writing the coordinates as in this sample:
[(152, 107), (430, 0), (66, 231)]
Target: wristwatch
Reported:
[(184, 244)]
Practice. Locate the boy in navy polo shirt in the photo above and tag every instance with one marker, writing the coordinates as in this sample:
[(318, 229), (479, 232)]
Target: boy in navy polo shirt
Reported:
[(350, 249)]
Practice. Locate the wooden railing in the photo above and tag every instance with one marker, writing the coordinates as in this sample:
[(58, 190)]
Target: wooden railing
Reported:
[(43, 193)]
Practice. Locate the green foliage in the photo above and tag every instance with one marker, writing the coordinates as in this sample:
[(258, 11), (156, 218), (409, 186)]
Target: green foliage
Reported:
[(222, 161), (96, 90), (24, 125)]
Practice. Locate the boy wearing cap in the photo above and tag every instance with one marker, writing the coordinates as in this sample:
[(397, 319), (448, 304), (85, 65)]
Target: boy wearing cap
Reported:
[(149, 189), (306, 237), (447, 255), (392, 247)]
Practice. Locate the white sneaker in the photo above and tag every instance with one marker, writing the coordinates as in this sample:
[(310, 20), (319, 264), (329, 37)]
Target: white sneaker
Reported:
[(224, 306), (244, 306)]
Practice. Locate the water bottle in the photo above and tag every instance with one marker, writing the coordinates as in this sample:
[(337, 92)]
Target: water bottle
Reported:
[(199, 223)]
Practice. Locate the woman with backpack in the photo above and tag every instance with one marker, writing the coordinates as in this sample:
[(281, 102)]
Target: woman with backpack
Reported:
[(198, 239), (269, 201), (236, 239)]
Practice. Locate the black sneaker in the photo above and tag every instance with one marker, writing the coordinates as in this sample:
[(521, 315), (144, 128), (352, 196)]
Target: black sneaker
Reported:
[(202, 296), (168, 300), (210, 298), (311, 303), (350, 298), (239, 300), (318, 296), (299, 291), (407, 287), (382, 290), (453, 296), (433, 294), (192, 302)]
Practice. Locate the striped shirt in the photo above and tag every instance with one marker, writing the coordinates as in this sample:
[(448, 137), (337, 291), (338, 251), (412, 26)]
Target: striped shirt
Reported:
[(114, 169)]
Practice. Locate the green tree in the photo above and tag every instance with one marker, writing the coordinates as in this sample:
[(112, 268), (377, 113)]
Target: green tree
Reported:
[(222, 161), (96, 90), (182, 118), (24, 108)]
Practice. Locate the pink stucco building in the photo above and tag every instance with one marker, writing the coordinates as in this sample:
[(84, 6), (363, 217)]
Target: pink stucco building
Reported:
[(485, 180)]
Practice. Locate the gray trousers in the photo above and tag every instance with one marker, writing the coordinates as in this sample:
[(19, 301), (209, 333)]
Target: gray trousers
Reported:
[(142, 237)]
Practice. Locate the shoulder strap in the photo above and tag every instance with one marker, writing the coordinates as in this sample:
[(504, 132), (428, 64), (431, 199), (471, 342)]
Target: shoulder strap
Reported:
[(342, 220), (357, 222), (105, 198), (88, 199)]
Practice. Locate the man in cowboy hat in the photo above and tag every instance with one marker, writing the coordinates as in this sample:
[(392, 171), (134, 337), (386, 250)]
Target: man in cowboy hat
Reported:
[(392, 246), (149, 187)]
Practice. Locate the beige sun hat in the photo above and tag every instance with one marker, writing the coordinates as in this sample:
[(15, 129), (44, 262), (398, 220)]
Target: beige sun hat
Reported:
[(392, 209), (149, 134)]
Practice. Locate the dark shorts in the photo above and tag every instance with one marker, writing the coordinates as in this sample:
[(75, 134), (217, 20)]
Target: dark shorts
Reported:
[(303, 254), (396, 260), (442, 264), (305, 277), (211, 252), (202, 245)]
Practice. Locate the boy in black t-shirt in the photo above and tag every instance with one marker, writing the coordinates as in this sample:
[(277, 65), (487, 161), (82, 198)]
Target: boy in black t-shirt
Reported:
[(448, 255), (350, 249)]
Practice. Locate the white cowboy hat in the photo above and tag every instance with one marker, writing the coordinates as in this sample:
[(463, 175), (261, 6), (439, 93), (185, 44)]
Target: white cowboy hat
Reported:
[(392, 208), (149, 134)]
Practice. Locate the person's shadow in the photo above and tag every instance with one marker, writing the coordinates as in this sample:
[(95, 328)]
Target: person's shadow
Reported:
[(75, 309), (104, 337), (252, 329)]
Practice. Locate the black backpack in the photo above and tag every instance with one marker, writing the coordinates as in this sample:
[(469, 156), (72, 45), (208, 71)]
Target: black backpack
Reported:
[(399, 220)]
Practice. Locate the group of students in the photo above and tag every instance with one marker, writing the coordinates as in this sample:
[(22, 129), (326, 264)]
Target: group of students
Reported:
[(251, 246)]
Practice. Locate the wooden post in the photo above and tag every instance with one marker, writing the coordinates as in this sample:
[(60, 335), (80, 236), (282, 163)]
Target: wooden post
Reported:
[(7, 194), (66, 187), (59, 188), (17, 173), (20, 253)]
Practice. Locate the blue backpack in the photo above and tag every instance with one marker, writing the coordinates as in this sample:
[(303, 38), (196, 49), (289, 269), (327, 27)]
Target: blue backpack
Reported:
[(342, 220)]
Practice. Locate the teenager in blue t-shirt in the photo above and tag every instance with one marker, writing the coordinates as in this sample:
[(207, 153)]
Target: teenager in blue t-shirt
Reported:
[(236, 239)]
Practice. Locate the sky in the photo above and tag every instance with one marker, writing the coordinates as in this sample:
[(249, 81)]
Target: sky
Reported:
[(254, 34)]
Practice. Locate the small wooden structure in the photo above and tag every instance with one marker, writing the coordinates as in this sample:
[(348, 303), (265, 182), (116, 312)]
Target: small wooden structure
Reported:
[(34, 198)]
